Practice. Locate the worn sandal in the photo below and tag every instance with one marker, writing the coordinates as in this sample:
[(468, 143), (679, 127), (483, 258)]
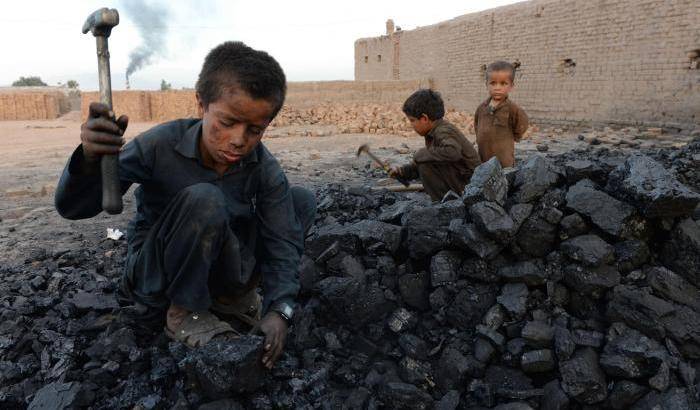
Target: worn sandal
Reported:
[(247, 310), (198, 328)]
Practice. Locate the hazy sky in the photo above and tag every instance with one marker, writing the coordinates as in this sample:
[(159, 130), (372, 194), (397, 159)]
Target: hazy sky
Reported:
[(312, 39)]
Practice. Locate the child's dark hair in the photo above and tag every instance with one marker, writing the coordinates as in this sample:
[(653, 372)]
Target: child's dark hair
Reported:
[(234, 64), (500, 66), (425, 101)]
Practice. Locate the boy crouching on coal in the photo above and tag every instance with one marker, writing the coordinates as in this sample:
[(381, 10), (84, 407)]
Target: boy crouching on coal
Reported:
[(215, 213), (499, 122), (448, 160)]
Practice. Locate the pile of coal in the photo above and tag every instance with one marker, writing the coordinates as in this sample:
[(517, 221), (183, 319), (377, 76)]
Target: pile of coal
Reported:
[(569, 282)]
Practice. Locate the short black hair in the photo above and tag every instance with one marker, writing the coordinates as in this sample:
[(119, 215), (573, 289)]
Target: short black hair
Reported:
[(425, 101), (500, 66), (234, 64)]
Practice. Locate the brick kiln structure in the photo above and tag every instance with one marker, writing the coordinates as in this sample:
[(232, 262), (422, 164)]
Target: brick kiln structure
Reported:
[(607, 61)]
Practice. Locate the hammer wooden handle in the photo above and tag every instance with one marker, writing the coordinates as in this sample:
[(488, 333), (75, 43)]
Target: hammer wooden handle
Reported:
[(109, 164)]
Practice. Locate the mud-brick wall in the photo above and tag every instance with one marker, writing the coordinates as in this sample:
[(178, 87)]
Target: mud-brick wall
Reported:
[(32, 105), (145, 106), (606, 61), (161, 106)]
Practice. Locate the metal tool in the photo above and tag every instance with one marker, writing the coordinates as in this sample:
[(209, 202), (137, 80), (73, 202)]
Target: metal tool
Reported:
[(100, 24), (364, 148)]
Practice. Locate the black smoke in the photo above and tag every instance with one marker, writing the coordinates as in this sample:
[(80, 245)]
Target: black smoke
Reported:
[(150, 21)]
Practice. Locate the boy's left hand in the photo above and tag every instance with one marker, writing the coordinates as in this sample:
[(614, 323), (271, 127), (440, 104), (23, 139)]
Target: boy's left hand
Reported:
[(275, 330)]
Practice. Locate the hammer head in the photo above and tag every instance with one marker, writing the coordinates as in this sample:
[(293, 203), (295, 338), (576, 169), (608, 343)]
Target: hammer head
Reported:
[(363, 148), (100, 22)]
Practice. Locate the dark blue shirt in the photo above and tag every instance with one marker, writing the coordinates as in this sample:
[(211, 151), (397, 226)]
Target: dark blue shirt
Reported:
[(166, 159)]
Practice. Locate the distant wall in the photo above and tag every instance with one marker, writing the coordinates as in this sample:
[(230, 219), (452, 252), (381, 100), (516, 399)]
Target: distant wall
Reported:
[(40, 103), (159, 106), (607, 61)]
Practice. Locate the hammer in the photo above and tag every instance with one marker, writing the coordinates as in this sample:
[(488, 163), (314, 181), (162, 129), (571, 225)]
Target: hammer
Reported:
[(365, 148), (100, 23)]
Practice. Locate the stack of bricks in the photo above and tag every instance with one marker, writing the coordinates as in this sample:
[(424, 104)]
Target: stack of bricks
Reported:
[(359, 118), (31, 104)]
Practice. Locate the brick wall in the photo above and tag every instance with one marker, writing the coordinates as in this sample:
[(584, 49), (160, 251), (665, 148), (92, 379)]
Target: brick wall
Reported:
[(32, 104), (633, 59), (161, 106)]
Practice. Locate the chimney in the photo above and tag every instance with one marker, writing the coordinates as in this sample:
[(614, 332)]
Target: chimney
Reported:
[(389, 27)]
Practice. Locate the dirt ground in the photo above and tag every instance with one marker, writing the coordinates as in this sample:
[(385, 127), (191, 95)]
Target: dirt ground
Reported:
[(33, 154)]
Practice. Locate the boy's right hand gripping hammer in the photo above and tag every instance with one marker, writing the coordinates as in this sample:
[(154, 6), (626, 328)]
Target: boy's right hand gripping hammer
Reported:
[(100, 23)]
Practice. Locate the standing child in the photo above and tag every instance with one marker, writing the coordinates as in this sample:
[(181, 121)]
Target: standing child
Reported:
[(499, 122)]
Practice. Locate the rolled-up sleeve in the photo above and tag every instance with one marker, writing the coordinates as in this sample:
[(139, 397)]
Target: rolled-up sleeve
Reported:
[(79, 191), (282, 239)]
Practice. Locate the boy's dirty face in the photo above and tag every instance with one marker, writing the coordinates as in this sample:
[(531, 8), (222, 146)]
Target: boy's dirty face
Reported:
[(421, 125), (500, 85), (232, 127)]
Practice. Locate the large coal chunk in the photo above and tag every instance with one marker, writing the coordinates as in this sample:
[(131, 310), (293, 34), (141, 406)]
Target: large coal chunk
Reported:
[(414, 289), (377, 237), (224, 367), (654, 190), (513, 298), (534, 178), (631, 254), (630, 354), (673, 287), (590, 250), (394, 213), (582, 378), (607, 213), (579, 169), (639, 309), (657, 318), (532, 273), (537, 236), (374, 236), (676, 398), (682, 252), (435, 215), (422, 241), (493, 220), (405, 396), (453, 369), (554, 397), (444, 268), (470, 304), (486, 184), (61, 396), (351, 301), (624, 394), (468, 237), (333, 235), (591, 281)]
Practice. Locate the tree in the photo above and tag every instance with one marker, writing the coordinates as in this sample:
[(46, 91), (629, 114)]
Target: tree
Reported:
[(33, 81), (72, 84), (165, 86)]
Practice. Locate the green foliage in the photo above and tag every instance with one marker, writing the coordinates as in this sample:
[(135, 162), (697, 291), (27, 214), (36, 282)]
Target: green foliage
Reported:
[(165, 86), (32, 81), (72, 84)]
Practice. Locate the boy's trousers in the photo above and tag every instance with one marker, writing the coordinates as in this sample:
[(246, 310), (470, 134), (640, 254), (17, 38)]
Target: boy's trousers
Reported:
[(192, 255)]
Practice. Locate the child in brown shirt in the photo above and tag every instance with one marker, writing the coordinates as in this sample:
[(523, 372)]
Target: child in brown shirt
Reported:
[(448, 159), (498, 121)]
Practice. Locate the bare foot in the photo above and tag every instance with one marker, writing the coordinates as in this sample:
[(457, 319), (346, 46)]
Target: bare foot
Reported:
[(174, 316)]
